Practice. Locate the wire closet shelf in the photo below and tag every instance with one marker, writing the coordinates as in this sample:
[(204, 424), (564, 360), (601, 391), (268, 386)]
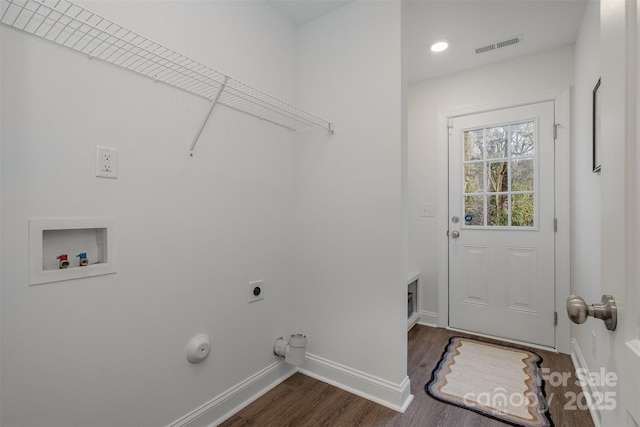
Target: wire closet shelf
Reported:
[(74, 27)]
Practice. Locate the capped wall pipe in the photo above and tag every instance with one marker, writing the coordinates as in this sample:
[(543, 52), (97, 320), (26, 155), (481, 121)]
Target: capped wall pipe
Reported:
[(198, 348), (292, 351)]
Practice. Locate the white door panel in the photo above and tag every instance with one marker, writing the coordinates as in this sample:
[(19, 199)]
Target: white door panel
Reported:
[(619, 350), (501, 207)]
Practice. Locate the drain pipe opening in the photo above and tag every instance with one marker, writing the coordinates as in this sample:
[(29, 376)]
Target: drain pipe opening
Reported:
[(292, 351)]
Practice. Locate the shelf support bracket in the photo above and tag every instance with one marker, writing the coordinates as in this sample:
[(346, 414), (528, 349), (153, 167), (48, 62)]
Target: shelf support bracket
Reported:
[(214, 102)]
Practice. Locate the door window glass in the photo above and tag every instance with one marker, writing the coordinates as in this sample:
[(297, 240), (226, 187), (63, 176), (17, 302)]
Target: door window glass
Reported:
[(499, 176)]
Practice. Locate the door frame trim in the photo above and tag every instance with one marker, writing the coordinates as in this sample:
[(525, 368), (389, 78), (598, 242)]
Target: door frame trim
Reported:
[(562, 99)]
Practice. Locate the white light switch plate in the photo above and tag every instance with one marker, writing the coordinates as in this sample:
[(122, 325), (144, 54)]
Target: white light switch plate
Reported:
[(427, 209)]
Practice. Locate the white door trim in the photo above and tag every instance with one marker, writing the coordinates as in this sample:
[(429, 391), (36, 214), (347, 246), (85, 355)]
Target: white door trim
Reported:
[(562, 98)]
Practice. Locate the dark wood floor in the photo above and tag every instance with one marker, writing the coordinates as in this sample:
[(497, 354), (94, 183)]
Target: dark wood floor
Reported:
[(303, 401)]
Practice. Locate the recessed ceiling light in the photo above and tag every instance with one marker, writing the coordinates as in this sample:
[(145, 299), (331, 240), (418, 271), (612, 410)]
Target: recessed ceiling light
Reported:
[(439, 46)]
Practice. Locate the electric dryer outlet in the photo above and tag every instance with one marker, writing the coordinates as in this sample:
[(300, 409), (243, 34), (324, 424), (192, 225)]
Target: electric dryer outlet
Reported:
[(256, 291)]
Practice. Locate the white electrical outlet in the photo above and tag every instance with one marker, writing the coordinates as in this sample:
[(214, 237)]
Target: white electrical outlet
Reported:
[(256, 291), (106, 162)]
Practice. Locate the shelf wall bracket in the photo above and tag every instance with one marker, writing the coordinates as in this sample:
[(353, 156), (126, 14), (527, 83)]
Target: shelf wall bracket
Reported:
[(214, 102)]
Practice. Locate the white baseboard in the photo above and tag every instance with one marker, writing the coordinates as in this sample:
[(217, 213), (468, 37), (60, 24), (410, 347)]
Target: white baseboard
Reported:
[(580, 363), (394, 396), (411, 322), (428, 318), (630, 385), (236, 398)]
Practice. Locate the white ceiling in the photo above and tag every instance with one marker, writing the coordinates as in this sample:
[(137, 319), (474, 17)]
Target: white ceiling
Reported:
[(302, 11), (467, 24), (540, 24)]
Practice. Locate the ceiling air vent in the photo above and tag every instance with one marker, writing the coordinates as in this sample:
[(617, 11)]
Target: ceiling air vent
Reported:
[(486, 48), (509, 42), (500, 44)]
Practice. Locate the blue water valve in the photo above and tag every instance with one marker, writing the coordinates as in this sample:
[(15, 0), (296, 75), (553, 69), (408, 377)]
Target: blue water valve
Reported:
[(84, 261)]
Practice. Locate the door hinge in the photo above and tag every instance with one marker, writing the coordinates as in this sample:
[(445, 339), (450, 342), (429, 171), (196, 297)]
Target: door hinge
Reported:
[(555, 131), (555, 225), (555, 318)]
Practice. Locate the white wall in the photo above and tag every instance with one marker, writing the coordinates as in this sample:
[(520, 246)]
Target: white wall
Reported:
[(191, 232), (351, 273), (503, 82), (321, 220), (1, 209), (586, 186)]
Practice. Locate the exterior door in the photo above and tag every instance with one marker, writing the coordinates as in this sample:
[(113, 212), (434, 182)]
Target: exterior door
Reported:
[(501, 224)]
